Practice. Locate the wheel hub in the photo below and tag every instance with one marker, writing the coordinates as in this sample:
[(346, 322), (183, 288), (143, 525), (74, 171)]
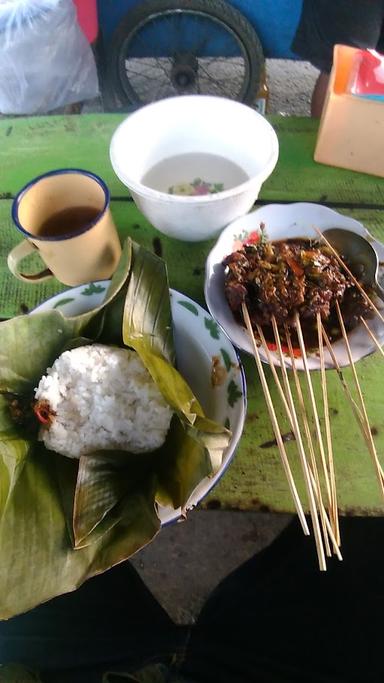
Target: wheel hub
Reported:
[(184, 71)]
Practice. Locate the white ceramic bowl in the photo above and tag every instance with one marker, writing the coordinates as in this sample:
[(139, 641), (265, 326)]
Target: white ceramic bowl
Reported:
[(194, 124), (199, 343), (285, 221)]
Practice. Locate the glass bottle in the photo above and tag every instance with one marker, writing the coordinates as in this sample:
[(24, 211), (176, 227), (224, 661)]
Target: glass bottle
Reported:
[(261, 101)]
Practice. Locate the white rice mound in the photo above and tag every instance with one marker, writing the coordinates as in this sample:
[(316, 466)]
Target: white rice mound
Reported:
[(104, 398)]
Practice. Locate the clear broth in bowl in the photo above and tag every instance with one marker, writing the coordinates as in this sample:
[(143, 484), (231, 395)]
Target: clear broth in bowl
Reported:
[(195, 173)]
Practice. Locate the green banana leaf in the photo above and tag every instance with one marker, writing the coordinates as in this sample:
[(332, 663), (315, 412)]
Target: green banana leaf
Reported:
[(147, 308), (64, 520)]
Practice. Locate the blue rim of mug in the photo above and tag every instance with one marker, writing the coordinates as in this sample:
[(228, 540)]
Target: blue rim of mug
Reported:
[(59, 171)]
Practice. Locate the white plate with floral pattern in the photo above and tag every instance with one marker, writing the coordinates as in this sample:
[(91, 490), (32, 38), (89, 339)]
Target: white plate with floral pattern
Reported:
[(206, 359), (285, 221)]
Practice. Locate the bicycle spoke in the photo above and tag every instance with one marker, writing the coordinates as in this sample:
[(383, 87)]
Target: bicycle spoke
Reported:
[(151, 72)]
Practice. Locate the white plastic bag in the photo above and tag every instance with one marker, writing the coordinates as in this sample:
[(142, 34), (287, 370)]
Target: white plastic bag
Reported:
[(45, 59)]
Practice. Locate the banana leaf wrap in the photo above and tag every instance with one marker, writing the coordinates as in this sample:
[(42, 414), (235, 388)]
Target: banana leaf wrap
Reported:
[(62, 520)]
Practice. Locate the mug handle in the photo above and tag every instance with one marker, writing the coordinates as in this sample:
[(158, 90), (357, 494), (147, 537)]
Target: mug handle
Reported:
[(17, 254)]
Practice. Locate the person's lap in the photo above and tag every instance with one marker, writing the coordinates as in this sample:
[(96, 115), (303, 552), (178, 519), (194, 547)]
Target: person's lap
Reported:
[(112, 620), (276, 618)]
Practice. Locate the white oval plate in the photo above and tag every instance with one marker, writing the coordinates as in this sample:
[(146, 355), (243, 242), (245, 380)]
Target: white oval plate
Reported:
[(285, 221), (198, 342)]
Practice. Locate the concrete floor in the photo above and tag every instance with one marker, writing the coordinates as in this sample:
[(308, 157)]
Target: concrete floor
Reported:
[(290, 85), (187, 560)]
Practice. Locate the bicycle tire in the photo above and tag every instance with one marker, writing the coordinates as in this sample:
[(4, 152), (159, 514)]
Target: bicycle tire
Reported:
[(216, 10)]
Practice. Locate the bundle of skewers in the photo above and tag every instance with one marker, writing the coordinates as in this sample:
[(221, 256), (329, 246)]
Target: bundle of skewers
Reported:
[(296, 298)]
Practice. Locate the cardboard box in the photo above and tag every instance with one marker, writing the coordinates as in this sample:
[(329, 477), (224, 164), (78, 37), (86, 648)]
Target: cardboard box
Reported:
[(351, 133)]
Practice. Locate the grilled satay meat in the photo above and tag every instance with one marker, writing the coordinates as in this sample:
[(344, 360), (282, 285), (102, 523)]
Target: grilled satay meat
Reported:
[(284, 277)]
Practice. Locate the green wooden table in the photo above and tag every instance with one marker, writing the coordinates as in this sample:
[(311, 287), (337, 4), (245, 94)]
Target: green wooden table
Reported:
[(255, 479)]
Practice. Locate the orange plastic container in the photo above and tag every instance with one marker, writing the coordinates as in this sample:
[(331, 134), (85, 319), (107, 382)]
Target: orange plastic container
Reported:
[(351, 133)]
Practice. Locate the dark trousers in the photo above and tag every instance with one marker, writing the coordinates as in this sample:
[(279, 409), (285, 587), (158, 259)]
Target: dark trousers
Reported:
[(276, 618)]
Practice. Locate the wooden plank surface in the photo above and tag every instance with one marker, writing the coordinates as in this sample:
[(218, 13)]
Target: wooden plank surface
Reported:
[(30, 146), (255, 479), (185, 260)]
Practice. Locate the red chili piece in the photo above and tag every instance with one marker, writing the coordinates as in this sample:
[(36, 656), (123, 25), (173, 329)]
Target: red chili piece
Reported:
[(43, 412)]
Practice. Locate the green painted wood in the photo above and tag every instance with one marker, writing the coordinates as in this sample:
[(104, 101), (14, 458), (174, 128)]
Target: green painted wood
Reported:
[(30, 146), (255, 479)]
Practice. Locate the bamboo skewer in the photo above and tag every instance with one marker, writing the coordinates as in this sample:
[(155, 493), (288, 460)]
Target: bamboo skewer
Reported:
[(290, 413), (328, 433), (275, 425), (335, 541), (375, 341), (315, 483), (285, 403), (332, 536), (305, 419), (281, 392), (354, 280), (355, 408), (313, 404), (367, 430), (364, 418), (329, 529), (274, 373)]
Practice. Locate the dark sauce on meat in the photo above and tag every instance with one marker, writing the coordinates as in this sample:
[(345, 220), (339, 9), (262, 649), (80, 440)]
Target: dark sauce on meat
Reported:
[(292, 276)]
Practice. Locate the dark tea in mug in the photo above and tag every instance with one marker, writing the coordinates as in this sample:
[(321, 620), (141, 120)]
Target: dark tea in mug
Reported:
[(67, 221)]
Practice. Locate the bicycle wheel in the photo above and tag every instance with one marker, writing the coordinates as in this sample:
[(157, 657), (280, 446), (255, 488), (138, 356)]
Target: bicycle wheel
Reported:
[(167, 47)]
